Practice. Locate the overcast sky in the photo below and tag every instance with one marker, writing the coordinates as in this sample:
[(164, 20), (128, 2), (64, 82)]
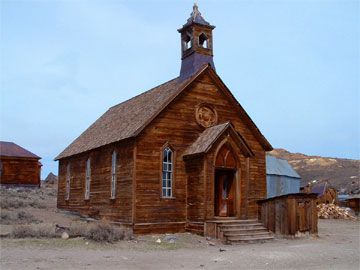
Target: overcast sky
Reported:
[(292, 65)]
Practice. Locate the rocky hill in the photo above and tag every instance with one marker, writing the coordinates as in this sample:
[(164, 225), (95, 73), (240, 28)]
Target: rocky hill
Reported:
[(341, 173)]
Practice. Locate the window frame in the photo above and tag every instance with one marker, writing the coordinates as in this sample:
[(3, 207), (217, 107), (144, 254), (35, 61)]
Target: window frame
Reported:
[(87, 179), (68, 176), (113, 178), (172, 172)]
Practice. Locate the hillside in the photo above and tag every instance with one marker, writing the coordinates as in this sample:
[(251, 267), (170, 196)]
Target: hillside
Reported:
[(343, 174)]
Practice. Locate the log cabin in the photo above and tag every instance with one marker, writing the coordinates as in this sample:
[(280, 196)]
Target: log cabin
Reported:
[(18, 166), (179, 157)]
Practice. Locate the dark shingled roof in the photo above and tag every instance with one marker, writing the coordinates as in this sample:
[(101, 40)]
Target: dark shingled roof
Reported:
[(204, 142), (123, 120), (129, 118), (11, 149), (206, 139)]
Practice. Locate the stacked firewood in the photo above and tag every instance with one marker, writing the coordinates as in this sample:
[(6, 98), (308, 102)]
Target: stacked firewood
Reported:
[(327, 211)]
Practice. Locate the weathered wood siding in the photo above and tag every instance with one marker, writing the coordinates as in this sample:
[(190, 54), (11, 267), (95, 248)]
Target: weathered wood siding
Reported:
[(177, 126), (99, 203), (20, 171), (289, 214), (329, 196)]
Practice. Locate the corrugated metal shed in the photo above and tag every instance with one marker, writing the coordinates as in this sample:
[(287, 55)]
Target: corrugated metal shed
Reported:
[(281, 178), (279, 166)]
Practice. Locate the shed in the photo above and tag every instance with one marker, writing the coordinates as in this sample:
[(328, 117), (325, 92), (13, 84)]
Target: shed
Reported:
[(281, 178), (18, 166), (326, 194)]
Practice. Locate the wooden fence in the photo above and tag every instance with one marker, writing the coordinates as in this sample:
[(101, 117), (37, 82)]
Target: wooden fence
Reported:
[(289, 214)]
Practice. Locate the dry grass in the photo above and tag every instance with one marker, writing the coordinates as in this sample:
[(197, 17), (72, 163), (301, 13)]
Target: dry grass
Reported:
[(17, 217), (33, 231), (14, 198), (99, 232)]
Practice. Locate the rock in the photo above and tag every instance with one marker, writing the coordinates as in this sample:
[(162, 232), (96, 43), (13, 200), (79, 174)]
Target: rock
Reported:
[(64, 235), (170, 237), (201, 265), (208, 238), (158, 241), (222, 249), (212, 244)]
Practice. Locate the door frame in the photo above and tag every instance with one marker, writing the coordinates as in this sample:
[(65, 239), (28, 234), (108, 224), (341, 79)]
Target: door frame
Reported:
[(237, 176), (234, 189)]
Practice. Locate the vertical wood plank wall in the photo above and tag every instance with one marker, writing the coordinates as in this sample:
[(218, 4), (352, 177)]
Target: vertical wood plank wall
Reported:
[(289, 214)]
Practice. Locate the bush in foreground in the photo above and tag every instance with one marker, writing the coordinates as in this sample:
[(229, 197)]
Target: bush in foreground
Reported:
[(99, 232)]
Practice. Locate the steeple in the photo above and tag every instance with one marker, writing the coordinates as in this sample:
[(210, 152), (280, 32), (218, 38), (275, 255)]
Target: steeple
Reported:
[(196, 44)]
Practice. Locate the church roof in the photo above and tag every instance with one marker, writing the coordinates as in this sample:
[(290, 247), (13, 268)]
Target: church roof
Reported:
[(206, 139), (196, 18), (129, 118), (11, 149)]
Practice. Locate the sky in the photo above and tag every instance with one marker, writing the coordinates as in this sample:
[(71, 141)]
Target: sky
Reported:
[(293, 65)]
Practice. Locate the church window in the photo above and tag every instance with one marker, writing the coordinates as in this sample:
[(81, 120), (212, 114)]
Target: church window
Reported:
[(167, 171), (68, 181), (113, 175), (88, 180)]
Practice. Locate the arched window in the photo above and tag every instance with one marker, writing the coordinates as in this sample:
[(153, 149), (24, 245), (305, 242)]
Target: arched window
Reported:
[(167, 169), (113, 175), (88, 180), (68, 181), (187, 42), (203, 41)]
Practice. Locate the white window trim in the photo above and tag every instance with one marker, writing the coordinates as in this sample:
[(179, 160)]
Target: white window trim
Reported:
[(113, 175), (88, 179), (67, 182), (168, 173)]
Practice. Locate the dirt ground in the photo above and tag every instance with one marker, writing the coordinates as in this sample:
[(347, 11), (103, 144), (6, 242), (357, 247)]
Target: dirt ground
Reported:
[(337, 247)]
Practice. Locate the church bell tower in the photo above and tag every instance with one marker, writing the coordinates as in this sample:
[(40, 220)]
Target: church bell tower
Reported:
[(196, 44)]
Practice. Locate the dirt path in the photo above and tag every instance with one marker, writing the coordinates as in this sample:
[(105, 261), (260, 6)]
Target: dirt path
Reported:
[(337, 247)]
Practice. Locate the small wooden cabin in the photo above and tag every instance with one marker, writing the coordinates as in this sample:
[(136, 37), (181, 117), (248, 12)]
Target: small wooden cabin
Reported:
[(19, 166), (326, 193), (173, 158)]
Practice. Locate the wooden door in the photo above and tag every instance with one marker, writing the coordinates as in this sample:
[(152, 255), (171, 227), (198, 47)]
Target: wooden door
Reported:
[(224, 193)]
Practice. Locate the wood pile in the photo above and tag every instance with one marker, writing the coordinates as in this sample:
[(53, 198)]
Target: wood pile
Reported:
[(327, 211)]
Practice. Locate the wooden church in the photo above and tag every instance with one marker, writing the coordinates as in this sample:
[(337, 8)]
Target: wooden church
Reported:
[(175, 158)]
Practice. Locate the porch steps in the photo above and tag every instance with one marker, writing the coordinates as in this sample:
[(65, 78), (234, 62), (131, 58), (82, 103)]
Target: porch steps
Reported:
[(235, 231)]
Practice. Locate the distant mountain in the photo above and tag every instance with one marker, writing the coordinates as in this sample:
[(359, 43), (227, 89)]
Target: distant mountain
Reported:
[(343, 174)]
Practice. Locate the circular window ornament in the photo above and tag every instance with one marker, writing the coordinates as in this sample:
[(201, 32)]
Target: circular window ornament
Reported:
[(206, 116)]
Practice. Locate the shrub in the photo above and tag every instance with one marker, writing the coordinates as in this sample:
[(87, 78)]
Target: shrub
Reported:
[(14, 203), (104, 232), (17, 217), (31, 231)]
